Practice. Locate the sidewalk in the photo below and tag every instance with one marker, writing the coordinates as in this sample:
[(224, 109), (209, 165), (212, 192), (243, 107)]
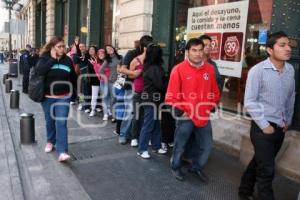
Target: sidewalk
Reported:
[(101, 168), (42, 177)]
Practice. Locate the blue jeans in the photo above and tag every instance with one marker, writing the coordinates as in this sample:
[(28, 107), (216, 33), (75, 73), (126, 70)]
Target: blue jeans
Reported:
[(126, 122), (56, 113), (201, 147), (150, 130), (106, 96)]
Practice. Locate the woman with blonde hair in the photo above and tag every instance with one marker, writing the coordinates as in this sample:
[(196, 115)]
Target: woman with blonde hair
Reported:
[(60, 78)]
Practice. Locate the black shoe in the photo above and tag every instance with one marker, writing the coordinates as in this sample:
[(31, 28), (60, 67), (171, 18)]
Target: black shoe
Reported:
[(178, 174), (245, 197), (203, 178)]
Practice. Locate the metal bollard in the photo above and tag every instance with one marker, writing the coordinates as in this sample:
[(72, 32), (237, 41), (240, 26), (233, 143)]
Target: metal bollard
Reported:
[(27, 130), (14, 99), (5, 77), (8, 85)]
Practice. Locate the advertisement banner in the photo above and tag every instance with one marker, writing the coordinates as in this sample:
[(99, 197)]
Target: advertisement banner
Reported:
[(226, 24)]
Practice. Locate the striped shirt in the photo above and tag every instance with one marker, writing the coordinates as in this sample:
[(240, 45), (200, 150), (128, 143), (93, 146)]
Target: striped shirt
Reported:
[(270, 95)]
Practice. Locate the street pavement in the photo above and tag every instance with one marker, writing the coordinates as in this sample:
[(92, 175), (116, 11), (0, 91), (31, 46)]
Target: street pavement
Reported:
[(101, 168)]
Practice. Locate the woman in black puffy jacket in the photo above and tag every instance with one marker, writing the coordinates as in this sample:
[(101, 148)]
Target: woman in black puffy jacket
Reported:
[(60, 78)]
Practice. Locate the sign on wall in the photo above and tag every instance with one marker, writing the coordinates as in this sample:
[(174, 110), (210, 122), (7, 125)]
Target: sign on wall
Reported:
[(226, 25)]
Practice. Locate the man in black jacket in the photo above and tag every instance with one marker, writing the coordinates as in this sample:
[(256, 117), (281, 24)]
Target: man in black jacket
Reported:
[(24, 61)]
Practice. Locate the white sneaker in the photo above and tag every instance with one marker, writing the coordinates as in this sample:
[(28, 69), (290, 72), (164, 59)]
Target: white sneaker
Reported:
[(98, 110), (72, 102), (160, 151), (80, 107), (144, 154), (63, 157), (105, 118), (164, 146), (134, 143), (87, 110), (49, 147), (92, 114)]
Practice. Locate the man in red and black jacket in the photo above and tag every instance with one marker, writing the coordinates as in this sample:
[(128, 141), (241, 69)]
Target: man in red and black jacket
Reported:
[(192, 92)]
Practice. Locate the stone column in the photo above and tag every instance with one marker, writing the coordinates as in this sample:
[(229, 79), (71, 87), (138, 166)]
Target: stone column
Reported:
[(32, 23), (135, 21), (50, 12)]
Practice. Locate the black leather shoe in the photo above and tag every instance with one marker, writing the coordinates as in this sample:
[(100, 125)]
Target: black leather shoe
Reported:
[(203, 178), (245, 197), (178, 174)]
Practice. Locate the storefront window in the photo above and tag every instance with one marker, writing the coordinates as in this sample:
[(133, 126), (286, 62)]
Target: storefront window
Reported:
[(258, 26)]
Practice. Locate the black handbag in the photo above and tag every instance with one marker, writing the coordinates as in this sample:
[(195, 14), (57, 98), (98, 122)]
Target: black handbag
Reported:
[(36, 88)]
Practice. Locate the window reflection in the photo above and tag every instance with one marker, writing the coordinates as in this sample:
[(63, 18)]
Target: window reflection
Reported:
[(258, 24)]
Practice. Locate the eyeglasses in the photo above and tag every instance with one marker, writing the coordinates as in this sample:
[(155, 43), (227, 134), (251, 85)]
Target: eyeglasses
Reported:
[(60, 46)]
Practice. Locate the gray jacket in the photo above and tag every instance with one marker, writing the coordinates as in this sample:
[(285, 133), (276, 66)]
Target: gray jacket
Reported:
[(112, 68)]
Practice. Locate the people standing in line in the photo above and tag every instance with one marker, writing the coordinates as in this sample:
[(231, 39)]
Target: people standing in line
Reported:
[(82, 65), (94, 81), (125, 130), (269, 99), (24, 61), (151, 98), (192, 92), (103, 79), (207, 57), (112, 61), (56, 66), (135, 73), (73, 52), (119, 107)]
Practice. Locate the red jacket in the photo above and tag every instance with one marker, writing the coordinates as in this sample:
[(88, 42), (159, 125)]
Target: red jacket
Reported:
[(194, 91)]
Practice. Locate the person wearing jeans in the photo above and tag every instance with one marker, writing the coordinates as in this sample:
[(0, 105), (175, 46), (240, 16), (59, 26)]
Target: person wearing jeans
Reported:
[(106, 99), (125, 131), (57, 68), (193, 93), (111, 62), (151, 98)]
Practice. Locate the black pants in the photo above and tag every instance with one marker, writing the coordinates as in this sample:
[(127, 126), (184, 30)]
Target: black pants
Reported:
[(118, 126), (261, 168), (138, 116), (87, 92), (168, 126), (25, 80)]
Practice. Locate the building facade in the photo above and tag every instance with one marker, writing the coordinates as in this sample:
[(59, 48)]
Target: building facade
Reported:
[(120, 22)]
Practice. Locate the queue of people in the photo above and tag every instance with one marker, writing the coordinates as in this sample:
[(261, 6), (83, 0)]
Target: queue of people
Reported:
[(135, 92)]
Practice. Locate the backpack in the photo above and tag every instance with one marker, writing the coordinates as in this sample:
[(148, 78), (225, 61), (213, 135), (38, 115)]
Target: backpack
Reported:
[(36, 88)]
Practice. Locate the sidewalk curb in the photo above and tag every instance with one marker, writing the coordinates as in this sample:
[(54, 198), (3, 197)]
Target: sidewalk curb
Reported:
[(12, 156)]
